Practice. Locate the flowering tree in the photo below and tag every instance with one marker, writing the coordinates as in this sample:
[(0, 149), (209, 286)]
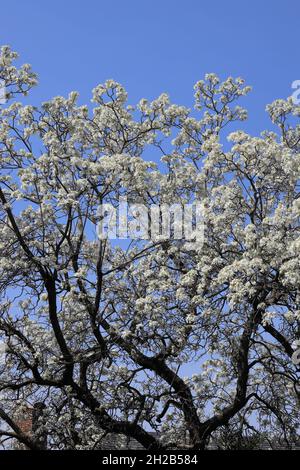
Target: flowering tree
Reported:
[(103, 335)]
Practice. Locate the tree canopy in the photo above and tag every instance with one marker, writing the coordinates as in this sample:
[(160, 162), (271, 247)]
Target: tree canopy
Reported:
[(159, 340)]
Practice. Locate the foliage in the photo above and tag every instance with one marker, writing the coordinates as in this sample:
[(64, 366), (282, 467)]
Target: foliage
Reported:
[(102, 334)]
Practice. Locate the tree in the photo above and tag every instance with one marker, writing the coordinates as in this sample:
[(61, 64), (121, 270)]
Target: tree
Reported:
[(103, 334)]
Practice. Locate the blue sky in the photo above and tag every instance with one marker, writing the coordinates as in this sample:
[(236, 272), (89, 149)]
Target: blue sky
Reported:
[(157, 46)]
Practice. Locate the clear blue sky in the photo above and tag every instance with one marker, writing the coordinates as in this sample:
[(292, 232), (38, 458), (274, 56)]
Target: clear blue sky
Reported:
[(157, 46)]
